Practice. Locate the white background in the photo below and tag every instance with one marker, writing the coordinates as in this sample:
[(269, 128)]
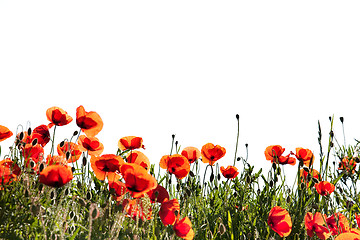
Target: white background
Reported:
[(157, 68)]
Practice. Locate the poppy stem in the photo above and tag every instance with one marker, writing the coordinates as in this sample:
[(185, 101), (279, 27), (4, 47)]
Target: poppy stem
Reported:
[(172, 143), (53, 142), (237, 137)]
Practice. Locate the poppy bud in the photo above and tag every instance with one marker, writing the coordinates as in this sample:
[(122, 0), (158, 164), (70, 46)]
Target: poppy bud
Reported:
[(315, 180), (218, 176), (88, 195), (72, 214), (29, 131), (170, 180), (278, 171), (238, 159), (248, 179), (271, 183), (178, 187), (275, 179), (341, 119), (62, 143), (67, 155), (32, 164), (331, 144), (75, 133), (331, 134), (176, 212), (41, 167), (34, 142), (173, 136), (246, 145), (306, 169), (73, 169), (66, 192), (78, 184), (235, 194), (191, 173), (21, 136), (52, 194), (237, 116), (95, 211), (288, 199), (40, 187), (212, 177), (330, 118), (84, 160), (302, 185), (274, 165), (222, 229), (188, 192)]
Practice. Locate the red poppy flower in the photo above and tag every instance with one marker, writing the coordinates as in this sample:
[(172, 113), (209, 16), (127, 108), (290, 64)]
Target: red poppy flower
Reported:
[(348, 236), (159, 194), (210, 153), (305, 155), (314, 224), (8, 171), (167, 211), (130, 143), (89, 122), (230, 172), (136, 209), (280, 221), (183, 229), (304, 175), (5, 133), (42, 134), (34, 153), (337, 223), (138, 158), (191, 153), (176, 164), (274, 153), (90, 144), (137, 180), (58, 117), (55, 160), (347, 165), (357, 217), (70, 147), (56, 175), (106, 164), (119, 189), (324, 188)]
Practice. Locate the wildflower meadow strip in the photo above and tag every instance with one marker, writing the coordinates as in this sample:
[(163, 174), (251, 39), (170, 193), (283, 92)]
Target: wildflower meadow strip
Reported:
[(75, 191)]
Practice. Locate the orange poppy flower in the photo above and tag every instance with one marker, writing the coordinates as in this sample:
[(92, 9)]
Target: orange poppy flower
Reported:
[(35, 153), (130, 143), (56, 175), (89, 122), (8, 171), (137, 180), (42, 134), (138, 158), (183, 229), (176, 164), (167, 211), (106, 164), (274, 153), (210, 153), (119, 189), (5, 133), (280, 221), (337, 223), (304, 175), (314, 224), (70, 147), (58, 117), (347, 165), (305, 155), (230, 172), (159, 194), (191, 153), (136, 209), (348, 236), (324, 188), (90, 144)]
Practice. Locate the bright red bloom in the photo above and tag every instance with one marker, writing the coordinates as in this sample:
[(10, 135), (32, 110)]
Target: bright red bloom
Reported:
[(89, 122), (183, 228), (324, 188), (159, 194), (107, 164), (35, 153), (191, 153), (314, 224), (5, 133), (337, 223), (130, 143), (176, 164), (274, 153), (230, 172), (42, 134), (14, 168), (119, 189), (305, 155), (90, 144), (136, 208), (210, 153), (58, 117), (357, 217), (280, 221), (137, 180), (70, 147), (56, 175), (167, 211), (8, 171), (138, 158)]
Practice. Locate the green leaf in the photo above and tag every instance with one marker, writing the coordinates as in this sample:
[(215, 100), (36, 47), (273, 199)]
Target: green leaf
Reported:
[(230, 226)]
